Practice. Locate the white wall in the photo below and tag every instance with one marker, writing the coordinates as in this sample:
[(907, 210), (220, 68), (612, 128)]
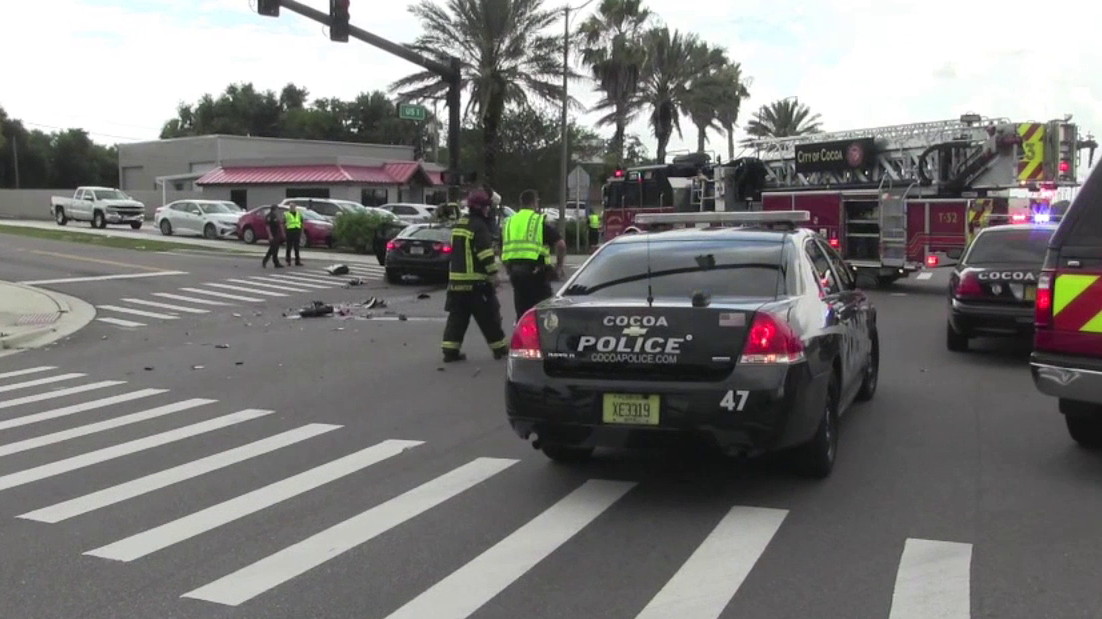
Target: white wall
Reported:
[(35, 203)]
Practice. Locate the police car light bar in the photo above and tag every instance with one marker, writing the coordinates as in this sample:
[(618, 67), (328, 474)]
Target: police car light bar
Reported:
[(725, 217)]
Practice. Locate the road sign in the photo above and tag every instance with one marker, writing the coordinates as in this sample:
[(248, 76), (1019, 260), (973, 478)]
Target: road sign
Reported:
[(409, 111), (578, 179)]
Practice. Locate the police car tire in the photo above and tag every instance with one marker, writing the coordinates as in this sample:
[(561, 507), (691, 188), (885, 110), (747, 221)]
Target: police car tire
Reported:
[(566, 454), (816, 457), (1087, 431), (393, 276), (872, 372), (955, 340)]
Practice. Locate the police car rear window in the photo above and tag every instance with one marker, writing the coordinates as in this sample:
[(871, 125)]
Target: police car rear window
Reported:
[(723, 268), (996, 247)]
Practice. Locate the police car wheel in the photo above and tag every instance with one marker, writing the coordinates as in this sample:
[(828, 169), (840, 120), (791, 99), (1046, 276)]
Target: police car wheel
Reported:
[(566, 454), (393, 276), (1084, 421), (816, 458), (955, 340), (872, 371)]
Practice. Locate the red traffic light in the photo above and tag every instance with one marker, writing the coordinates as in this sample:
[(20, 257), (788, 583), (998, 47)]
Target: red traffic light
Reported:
[(1064, 167)]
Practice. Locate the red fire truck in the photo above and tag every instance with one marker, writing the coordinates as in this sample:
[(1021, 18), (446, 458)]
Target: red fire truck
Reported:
[(893, 200)]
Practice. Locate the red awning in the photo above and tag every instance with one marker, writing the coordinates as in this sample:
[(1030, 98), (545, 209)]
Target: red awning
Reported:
[(389, 174)]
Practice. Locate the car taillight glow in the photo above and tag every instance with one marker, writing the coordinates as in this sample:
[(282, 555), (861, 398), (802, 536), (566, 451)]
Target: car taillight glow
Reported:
[(393, 245), (771, 340), (526, 338), (1042, 307), (968, 286), (442, 247), (931, 261)]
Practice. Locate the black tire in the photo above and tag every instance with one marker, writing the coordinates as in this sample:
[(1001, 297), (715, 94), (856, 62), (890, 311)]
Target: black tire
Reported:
[(815, 459), (955, 340), (98, 220), (1084, 421), (566, 454), (210, 232), (393, 276), (59, 216), (872, 371), (885, 281), (135, 225), (249, 235), (166, 227)]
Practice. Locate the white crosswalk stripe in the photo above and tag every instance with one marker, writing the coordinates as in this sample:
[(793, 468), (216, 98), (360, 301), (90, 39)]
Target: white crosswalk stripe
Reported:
[(168, 306), (242, 289), (135, 312), (933, 578)]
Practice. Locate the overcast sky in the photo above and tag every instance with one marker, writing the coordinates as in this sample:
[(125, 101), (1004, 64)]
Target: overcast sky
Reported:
[(118, 68)]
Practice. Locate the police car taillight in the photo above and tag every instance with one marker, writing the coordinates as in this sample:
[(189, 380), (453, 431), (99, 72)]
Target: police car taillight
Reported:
[(968, 286), (526, 338), (1042, 307), (771, 340)]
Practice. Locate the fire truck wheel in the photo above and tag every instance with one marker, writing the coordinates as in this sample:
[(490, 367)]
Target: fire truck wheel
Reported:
[(885, 281)]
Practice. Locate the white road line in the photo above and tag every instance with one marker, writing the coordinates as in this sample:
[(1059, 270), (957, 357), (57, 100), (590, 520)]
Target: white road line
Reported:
[(263, 293), (470, 587), (38, 381), (922, 276), (52, 469), (280, 286), (119, 322), (150, 483), (313, 279), (64, 411), (100, 278), (41, 368), (167, 306), (159, 538), (59, 393), (298, 283), (180, 297), (933, 581), (220, 294), (135, 312), (707, 581), (276, 569), (100, 426)]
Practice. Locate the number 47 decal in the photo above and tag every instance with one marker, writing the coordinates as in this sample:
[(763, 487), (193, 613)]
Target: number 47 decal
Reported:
[(734, 400)]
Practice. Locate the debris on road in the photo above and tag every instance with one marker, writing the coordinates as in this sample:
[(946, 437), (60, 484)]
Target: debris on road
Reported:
[(423, 295), (221, 345), (316, 310), (197, 367), (337, 269)]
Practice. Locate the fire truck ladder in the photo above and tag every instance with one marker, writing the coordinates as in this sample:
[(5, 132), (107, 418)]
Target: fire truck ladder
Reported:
[(931, 153)]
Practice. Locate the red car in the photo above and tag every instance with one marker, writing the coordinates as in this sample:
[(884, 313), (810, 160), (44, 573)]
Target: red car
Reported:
[(317, 231)]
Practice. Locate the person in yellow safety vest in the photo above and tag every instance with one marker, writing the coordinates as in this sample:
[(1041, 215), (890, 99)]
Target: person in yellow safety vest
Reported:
[(526, 241), (293, 223), (594, 229), (472, 280)]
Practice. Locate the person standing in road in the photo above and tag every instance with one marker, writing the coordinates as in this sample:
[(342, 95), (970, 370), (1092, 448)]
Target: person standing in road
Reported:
[(472, 283), (526, 242), (294, 232), (275, 237)]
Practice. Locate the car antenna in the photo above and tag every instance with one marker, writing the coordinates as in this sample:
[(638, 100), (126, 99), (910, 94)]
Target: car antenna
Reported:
[(650, 290)]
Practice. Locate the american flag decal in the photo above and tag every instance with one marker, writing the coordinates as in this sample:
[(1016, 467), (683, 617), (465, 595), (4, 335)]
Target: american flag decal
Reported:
[(732, 319)]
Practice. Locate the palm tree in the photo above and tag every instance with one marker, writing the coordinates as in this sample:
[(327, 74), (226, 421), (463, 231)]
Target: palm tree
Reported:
[(733, 89), (782, 119), (706, 91), (672, 63), (505, 53), (611, 47)]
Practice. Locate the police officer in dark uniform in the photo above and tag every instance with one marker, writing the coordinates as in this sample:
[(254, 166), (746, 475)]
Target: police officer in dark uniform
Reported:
[(526, 241), (275, 237), (472, 282)]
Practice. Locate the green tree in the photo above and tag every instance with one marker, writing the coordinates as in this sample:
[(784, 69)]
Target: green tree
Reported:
[(60, 160), (734, 89), (613, 50), (706, 91), (506, 59), (782, 119)]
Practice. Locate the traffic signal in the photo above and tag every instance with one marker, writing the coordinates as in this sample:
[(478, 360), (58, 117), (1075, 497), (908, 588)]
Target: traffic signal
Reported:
[(268, 8), (1067, 150), (338, 26)]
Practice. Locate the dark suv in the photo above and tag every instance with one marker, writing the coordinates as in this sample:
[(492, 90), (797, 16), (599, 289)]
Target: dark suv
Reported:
[(1067, 344)]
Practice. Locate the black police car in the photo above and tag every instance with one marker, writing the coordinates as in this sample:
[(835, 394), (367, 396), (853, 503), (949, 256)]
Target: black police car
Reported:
[(423, 250), (748, 339), (993, 288)]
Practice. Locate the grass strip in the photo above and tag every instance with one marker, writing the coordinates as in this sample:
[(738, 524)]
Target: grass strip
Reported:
[(115, 242)]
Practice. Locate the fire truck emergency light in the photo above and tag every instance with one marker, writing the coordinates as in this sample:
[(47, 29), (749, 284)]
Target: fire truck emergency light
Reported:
[(931, 261), (618, 174), (835, 243)]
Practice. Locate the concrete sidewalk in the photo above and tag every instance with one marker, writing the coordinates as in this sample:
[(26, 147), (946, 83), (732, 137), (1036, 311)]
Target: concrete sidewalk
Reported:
[(32, 317)]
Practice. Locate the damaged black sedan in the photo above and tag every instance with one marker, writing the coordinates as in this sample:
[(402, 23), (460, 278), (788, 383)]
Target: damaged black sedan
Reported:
[(748, 338)]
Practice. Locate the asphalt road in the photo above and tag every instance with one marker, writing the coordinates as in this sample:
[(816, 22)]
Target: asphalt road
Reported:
[(957, 492)]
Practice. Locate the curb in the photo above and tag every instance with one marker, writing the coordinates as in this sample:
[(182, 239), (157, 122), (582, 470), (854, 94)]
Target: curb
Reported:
[(73, 315)]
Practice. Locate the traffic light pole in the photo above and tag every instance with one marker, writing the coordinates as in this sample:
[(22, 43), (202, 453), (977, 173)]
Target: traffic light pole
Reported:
[(450, 73)]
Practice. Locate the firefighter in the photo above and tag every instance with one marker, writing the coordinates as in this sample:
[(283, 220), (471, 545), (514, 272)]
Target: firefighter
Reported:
[(594, 228), (294, 233), (472, 283), (526, 242)]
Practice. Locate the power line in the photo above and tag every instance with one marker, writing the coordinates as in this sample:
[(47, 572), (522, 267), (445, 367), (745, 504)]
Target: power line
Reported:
[(57, 128)]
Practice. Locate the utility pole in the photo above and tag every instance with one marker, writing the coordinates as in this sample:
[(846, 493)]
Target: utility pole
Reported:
[(450, 72)]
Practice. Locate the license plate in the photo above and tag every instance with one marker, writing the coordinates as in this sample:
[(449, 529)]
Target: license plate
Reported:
[(1030, 293), (416, 250), (630, 409)]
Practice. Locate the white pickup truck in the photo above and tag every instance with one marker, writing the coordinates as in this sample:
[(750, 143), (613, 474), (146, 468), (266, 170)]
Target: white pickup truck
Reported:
[(98, 205)]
